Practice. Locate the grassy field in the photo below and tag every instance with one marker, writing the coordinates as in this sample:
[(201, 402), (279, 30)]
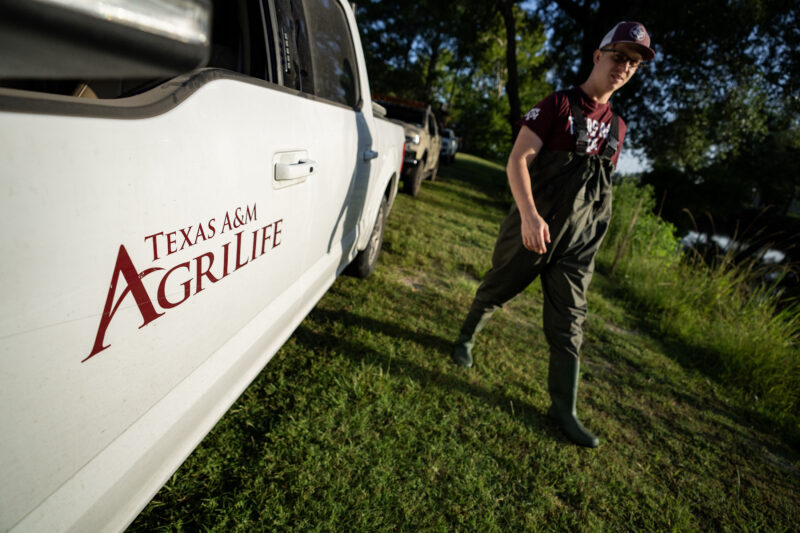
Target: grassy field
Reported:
[(718, 312), (361, 423)]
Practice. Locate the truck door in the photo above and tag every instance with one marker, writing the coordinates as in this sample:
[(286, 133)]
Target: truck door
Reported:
[(154, 258), (321, 62), (436, 139)]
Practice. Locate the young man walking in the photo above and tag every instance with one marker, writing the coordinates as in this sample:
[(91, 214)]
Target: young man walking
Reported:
[(559, 172)]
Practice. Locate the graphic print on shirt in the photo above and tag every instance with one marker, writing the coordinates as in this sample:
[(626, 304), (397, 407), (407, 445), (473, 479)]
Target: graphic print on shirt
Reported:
[(597, 132), (552, 121), (532, 114)]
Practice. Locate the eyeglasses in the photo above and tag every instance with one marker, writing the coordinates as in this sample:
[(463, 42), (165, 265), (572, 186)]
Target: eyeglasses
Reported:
[(621, 58)]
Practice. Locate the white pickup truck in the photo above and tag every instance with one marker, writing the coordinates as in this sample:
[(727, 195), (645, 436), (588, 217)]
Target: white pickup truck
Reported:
[(181, 182)]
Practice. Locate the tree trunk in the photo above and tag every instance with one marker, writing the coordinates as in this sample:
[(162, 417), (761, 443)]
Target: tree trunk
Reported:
[(506, 8), (430, 75)]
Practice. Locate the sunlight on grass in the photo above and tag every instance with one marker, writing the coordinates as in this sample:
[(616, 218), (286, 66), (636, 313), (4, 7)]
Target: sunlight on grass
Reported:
[(361, 423), (732, 324)]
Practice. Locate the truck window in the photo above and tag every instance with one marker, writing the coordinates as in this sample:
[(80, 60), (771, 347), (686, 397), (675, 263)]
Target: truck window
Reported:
[(333, 54), (238, 38), (431, 125), (402, 109), (293, 47)]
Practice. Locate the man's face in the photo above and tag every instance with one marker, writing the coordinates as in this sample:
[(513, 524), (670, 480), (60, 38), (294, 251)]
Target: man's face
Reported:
[(619, 62)]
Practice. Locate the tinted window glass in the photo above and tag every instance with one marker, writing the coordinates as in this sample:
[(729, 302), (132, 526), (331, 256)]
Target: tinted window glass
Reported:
[(237, 38), (405, 110), (333, 55), (431, 125), (293, 50)]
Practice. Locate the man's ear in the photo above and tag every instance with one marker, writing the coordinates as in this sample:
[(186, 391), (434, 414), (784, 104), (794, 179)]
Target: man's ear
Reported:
[(596, 56)]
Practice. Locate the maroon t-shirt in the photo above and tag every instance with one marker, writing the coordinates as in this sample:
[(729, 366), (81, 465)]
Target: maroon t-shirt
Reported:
[(551, 120)]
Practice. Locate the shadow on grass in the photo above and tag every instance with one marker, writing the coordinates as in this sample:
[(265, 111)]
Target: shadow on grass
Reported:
[(476, 174), (469, 208), (437, 346)]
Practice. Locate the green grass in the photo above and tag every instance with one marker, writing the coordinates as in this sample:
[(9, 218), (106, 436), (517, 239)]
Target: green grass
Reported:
[(361, 423), (727, 322)]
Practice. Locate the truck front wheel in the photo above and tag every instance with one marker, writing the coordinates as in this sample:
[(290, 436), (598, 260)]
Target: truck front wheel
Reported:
[(412, 182)]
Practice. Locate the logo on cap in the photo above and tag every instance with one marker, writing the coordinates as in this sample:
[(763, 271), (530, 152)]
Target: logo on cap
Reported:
[(638, 33)]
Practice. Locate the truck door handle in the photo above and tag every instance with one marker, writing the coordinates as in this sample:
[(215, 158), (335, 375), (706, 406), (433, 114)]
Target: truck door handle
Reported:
[(370, 154), (295, 171)]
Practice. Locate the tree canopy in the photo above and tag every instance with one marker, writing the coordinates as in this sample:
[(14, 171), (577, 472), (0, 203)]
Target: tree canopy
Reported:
[(717, 113), (456, 57)]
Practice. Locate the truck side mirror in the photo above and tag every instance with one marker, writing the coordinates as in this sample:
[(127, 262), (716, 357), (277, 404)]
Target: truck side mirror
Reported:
[(113, 39)]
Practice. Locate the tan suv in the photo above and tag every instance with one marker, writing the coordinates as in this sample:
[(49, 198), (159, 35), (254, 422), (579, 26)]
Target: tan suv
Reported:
[(423, 139)]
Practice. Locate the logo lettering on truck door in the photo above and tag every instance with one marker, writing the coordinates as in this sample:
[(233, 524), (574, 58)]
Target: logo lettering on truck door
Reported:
[(241, 248)]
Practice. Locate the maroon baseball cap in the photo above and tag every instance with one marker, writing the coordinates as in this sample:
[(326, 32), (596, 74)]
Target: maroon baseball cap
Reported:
[(630, 33)]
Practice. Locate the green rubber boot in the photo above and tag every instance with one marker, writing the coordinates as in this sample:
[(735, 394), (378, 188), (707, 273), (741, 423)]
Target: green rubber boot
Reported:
[(562, 381), (473, 324)]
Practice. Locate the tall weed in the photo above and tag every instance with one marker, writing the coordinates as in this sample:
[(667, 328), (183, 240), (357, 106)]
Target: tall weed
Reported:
[(724, 321)]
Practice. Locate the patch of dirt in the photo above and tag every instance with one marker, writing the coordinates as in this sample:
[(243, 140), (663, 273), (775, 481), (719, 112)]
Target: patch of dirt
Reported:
[(415, 285), (619, 330)]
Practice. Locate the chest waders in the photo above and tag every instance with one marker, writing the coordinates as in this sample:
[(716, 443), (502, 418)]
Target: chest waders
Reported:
[(572, 192)]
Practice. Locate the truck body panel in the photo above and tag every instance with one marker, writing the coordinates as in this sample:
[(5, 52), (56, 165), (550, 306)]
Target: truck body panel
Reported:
[(155, 257)]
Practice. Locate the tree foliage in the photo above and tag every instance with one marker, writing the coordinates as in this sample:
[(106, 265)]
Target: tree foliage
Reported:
[(717, 113), (482, 108), (407, 43), (456, 56)]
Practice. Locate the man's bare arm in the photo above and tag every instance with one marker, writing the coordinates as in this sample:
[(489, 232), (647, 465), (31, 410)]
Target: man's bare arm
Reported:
[(535, 231)]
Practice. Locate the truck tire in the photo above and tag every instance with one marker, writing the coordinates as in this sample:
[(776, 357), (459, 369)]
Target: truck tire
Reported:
[(412, 182), (364, 263)]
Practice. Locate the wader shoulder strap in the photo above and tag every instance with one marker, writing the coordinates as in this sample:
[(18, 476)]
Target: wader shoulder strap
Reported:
[(582, 133), (612, 143), (579, 126)]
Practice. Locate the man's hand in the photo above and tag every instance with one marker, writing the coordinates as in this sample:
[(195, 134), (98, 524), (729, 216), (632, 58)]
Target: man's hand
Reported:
[(535, 233)]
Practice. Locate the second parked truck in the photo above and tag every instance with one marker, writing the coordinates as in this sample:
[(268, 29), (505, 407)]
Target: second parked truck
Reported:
[(423, 139)]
